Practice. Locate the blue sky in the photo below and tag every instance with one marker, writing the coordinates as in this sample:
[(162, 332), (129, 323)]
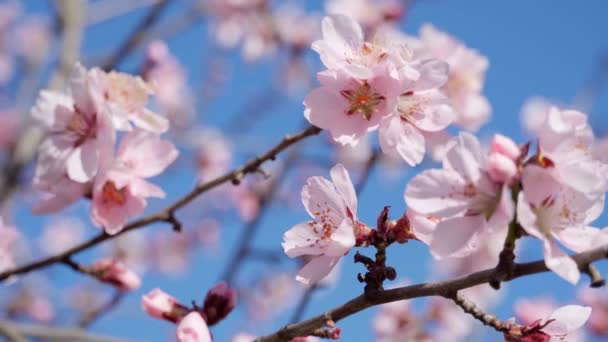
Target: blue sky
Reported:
[(536, 48)]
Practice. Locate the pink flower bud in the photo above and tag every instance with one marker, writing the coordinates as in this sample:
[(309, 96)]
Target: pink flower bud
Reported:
[(116, 273), (159, 304), (219, 302), (505, 146), (193, 328), (501, 168)]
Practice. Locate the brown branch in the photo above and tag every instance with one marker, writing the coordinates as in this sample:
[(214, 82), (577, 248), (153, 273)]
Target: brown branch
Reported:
[(472, 309), (443, 288), (165, 214)]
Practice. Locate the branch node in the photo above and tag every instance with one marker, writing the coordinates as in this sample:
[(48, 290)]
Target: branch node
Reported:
[(594, 274), (175, 223)]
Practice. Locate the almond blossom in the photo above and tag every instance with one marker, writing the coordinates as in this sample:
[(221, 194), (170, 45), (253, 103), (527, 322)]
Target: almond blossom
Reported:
[(467, 69), (120, 191), (561, 325), (550, 212), (331, 233), (463, 197)]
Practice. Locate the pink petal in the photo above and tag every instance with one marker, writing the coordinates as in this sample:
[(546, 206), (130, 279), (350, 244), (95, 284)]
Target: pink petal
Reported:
[(560, 262), (527, 218), (433, 74), (465, 157), (145, 153), (437, 192), (433, 112), (300, 240), (572, 316), (342, 239), (82, 164), (150, 121), (320, 197), (193, 328), (316, 269), (401, 138), (454, 235), (344, 185), (578, 239)]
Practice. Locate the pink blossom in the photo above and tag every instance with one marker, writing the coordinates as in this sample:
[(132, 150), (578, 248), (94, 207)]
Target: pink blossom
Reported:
[(422, 110), (115, 272), (193, 328), (168, 78), (33, 38), (467, 69), (370, 13), (503, 159), (271, 296), (463, 197), (120, 191), (61, 234), (80, 132), (331, 233), (127, 97), (552, 213), (161, 305), (213, 153), (527, 311), (397, 322), (348, 108), (295, 27)]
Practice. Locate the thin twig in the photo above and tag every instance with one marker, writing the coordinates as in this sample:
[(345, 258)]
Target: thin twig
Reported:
[(164, 214), (97, 313), (472, 309), (443, 288)]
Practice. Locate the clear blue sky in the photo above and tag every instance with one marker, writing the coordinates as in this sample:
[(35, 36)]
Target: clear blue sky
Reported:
[(536, 48)]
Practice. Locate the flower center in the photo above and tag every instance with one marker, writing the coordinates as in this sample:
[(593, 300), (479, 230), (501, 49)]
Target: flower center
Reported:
[(82, 126), (111, 194), (362, 100)]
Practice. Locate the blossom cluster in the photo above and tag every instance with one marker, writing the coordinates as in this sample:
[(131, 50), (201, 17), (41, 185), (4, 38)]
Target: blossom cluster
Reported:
[(77, 157)]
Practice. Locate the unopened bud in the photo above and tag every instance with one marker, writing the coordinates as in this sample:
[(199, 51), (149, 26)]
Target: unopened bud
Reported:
[(219, 302)]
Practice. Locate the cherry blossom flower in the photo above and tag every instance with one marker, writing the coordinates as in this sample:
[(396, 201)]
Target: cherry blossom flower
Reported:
[(127, 98), (331, 233), (193, 328), (463, 197), (116, 273), (467, 69), (295, 27), (213, 153), (120, 191), (560, 325), (80, 132), (397, 322), (552, 213)]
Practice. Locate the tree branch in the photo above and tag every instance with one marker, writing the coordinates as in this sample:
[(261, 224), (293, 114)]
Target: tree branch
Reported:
[(165, 214), (443, 288)]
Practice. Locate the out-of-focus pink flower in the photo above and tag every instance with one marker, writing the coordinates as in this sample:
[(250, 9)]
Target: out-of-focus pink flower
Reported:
[(10, 122), (396, 322), (527, 311), (120, 191), (213, 153), (598, 301), (562, 324), (116, 273), (503, 158), (61, 234), (271, 296), (169, 81), (370, 13), (193, 328), (33, 38), (466, 77), (245, 22), (33, 303), (8, 236), (551, 212), (331, 233), (463, 197), (161, 305), (295, 27), (219, 302), (168, 252)]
